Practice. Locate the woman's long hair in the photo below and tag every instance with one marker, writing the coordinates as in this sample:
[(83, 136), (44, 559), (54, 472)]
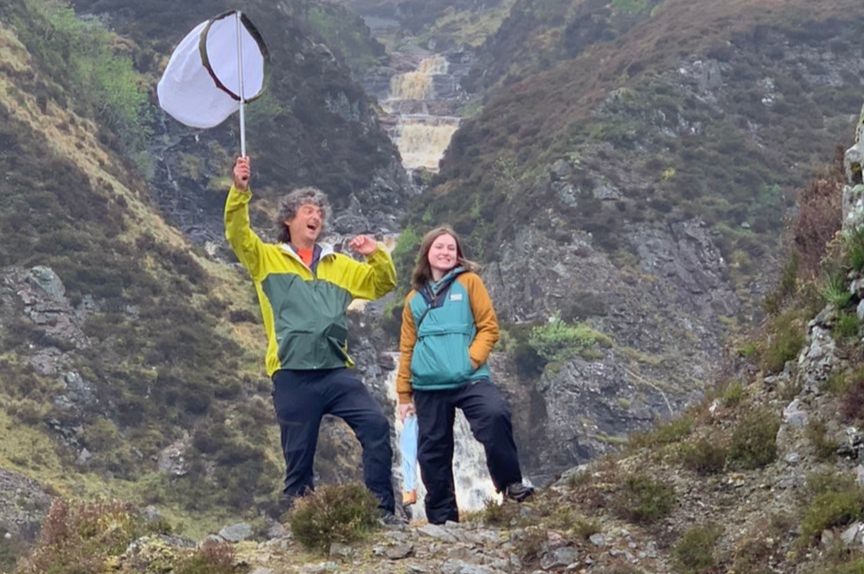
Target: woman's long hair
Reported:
[(422, 273)]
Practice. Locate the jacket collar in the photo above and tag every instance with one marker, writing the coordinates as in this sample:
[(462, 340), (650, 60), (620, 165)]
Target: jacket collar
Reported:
[(447, 278), (326, 251)]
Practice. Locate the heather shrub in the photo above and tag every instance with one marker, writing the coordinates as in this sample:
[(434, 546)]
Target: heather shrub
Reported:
[(78, 537), (705, 457), (817, 435), (341, 513), (853, 396), (530, 542), (642, 499), (785, 339), (831, 509), (819, 218), (694, 551), (668, 432), (733, 394), (830, 499), (211, 558), (847, 326), (495, 514), (754, 440), (785, 288)]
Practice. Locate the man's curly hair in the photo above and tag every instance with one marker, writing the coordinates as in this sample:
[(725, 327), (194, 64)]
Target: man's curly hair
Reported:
[(289, 205)]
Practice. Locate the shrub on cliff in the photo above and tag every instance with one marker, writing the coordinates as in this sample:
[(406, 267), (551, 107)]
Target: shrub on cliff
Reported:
[(754, 440), (342, 513), (78, 537), (644, 500)]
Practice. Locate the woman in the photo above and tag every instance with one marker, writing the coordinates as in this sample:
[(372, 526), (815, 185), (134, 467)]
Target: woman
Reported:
[(448, 330)]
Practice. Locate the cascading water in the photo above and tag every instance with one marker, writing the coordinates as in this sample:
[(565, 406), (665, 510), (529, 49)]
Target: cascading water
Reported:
[(418, 85), (473, 485), (421, 136), (422, 140)]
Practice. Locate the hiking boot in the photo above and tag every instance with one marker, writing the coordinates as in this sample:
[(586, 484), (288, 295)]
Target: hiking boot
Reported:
[(519, 492), (390, 520)]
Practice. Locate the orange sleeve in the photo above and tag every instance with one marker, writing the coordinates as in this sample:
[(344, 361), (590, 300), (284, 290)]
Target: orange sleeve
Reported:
[(484, 319), (406, 350)]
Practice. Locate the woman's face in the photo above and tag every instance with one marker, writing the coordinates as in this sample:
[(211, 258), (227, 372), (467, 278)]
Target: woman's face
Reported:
[(442, 253)]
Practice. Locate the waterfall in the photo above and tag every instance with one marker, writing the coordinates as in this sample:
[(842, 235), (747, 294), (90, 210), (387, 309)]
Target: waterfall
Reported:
[(422, 141), (423, 137), (418, 85), (473, 485), (411, 86)]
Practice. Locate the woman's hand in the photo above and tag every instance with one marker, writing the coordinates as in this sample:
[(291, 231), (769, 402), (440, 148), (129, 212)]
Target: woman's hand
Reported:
[(406, 410)]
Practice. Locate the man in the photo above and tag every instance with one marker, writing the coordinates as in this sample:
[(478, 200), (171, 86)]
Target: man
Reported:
[(304, 289)]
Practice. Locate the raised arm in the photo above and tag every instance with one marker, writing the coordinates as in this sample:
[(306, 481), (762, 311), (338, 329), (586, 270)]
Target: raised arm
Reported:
[(246, 245), (484, 319), (372, 279)]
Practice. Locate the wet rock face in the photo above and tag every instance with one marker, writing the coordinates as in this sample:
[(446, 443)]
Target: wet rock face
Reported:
[(541, 270), (685, 256), (378, 207), (535, 274), (172, 459), (590, 405), (661, 310)]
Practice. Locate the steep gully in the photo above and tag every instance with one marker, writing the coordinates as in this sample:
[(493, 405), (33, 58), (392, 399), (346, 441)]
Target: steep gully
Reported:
[(419, 98)]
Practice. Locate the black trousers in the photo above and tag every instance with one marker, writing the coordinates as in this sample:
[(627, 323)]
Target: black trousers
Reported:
[(489, 417), (302, 398)]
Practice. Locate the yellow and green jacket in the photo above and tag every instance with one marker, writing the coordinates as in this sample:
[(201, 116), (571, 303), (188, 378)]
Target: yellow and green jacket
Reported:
[(453, 341), (304, 311)]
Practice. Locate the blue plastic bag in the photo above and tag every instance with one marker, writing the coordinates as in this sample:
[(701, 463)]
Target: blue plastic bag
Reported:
[(408, 445)]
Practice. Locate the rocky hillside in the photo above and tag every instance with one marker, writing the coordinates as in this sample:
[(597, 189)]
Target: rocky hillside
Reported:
[(434, 24), (763, 475), (626, 182), (130, 348), (314, 126), (630, 172)]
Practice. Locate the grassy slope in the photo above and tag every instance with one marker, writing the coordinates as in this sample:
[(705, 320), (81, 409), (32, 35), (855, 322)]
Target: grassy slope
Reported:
[(678, 29), (466, 22), (70, 203), (186, 364), (560, 113), (715, 489)]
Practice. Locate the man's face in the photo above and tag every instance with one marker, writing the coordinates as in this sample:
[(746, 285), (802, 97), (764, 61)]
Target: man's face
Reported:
[(306, 224)]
